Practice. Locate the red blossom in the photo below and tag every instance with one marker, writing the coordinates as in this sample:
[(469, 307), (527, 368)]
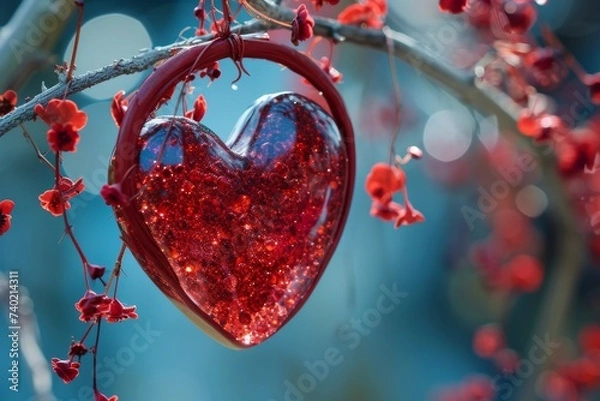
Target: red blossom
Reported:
[(95, 271), (544, 64), (70, 189), (51, 201), (6, 207), (63, 138), (488, 340), (453, 6), (507, 360), (199, 110), (525, 273), (383, 181), (77, 349), (117, 312), (589, 339), (113, 196), (8, 102), (368, 14), (92, 306), (583, 372), (302, 25), (381, 6), (118, 107), (477, 388), (319, 3), (213, 72), (409, 215), (519, 16), (542, 127), (62, 112), (592, 81), (577, 152), (334, 74), (527, 123), (67, 370), (389, 211), (98, 396)]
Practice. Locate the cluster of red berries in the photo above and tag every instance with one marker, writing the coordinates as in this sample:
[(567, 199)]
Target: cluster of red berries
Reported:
[(383, 182), (503, 17), (575, 379), (505, 260), (65, 122)]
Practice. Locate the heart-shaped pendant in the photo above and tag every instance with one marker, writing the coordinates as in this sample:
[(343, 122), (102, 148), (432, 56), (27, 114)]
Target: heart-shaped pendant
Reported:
[(236, 235)]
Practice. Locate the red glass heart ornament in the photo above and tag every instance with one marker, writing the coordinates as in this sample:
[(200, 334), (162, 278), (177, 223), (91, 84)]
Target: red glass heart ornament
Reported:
[(237, 235)]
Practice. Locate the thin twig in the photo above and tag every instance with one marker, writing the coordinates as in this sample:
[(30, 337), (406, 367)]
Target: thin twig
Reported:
[(36, 149)]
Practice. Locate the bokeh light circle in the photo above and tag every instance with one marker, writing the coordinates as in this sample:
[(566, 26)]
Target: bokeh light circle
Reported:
[(448, 135), (104, 40)]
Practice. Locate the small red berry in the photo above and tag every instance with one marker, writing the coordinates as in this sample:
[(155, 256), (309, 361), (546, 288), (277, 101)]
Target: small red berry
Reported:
[(527, 123), (520, 16), (98, 396), (113, 196), (77, 349), (488, 340), (383, 181), (592, 81), (67, 370), (95, 271), (199, 110), (506, 360), (6, 207), (525, 273), (589, 339), (8, 102), (302, 25), (118, 107)]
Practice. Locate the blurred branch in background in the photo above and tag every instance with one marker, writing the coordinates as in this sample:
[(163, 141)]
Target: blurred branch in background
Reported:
[(26, 40)]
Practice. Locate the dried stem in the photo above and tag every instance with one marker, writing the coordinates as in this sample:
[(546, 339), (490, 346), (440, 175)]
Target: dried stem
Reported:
[(95, 355), (68, 228), (79, 5), (36, 149)]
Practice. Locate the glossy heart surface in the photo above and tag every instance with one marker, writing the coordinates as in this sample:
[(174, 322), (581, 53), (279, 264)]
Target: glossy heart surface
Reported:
[(246, 228)]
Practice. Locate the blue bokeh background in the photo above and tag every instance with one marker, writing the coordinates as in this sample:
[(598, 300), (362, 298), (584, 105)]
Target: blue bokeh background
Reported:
[(425, 342)]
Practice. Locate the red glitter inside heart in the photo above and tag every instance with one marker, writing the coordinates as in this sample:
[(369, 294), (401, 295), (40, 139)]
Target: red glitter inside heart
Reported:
[(236, 235), (246, 226)]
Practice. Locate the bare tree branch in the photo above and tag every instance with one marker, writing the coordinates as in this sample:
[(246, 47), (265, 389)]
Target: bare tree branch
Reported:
[(135, 64)]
